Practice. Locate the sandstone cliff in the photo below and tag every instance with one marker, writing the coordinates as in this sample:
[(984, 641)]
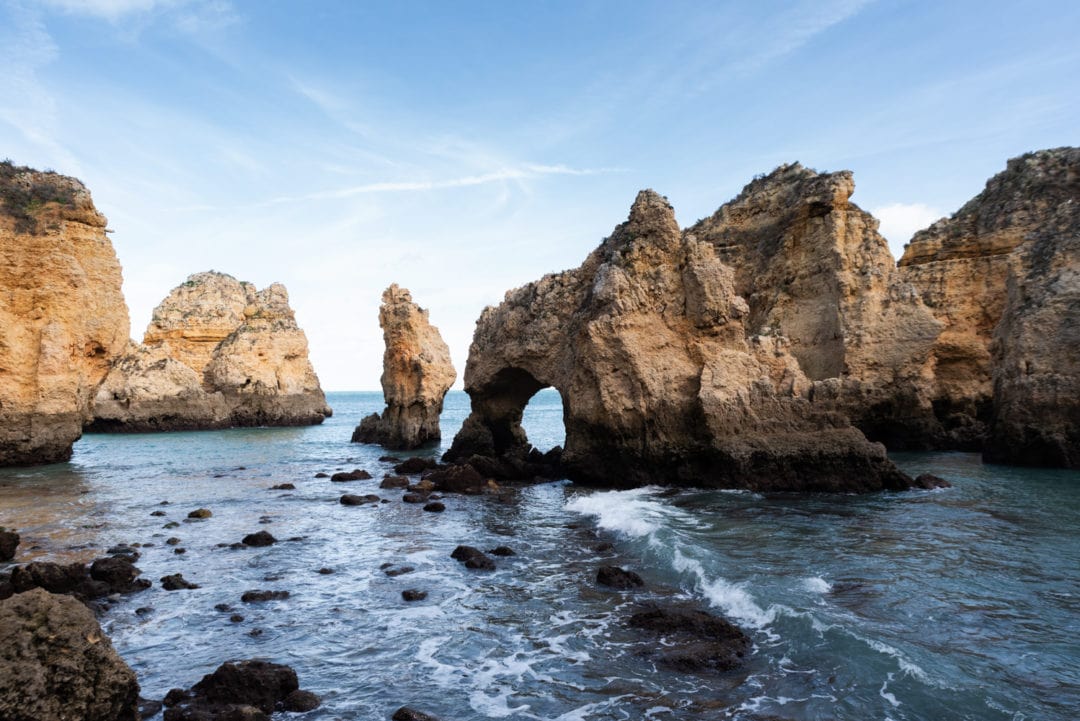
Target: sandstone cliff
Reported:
[(417, 373), (1003, 276), (664, 373), (217, 353), (62, 313)]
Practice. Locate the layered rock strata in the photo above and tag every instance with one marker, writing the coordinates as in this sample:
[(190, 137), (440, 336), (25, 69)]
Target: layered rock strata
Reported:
[(664, 374), (417, 373), (1002, 275), (62, 312), (217, 353)]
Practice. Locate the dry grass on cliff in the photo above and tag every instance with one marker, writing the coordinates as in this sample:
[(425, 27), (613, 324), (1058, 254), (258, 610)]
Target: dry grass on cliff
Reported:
[(25, 192)]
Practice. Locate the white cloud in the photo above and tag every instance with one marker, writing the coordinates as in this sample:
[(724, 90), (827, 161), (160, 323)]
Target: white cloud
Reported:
[(107, 9), (900, 221)]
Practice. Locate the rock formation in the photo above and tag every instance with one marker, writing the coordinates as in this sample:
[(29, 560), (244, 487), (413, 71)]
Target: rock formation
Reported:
[(217, 353), (61, 310), (1003, 276), (662, 375), (56, 663), (417, 373)]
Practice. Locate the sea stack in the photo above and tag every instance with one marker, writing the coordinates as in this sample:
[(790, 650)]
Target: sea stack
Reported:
[(417, 373), (62, 312), (217, 353)]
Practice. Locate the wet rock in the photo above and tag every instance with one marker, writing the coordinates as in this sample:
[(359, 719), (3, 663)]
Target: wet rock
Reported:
[(413, 594), (692, 640), (58, 664), (322, 475), (237, 691), (394, 482), (473, 558), (325, 571), (351, 500), (173, 541), (114, 575), (259, 539), (929, 481), (412, 466), (143, 610), (179, 551), (9, 541), (457, 478), (620, 578), (283, 487), (236, 618), (435, 507), (354, 475), (604, 547), (502, 551), (408, 714), (414, 498), (157, 513), (123, 549), (389, 459), (171, 524), (115, 571), (149, 708), (300, 702), (423, 486), (177, 582), (391, 570), (200, 513), (223, 607), (261, 596)]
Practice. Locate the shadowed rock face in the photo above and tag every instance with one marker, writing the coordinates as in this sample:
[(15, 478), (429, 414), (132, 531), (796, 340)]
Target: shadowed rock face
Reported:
[(62, 314), (661, 375), (417, 373), (217, 353)]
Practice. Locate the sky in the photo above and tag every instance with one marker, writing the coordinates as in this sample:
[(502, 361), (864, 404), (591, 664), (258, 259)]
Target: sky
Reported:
[(463, 149)]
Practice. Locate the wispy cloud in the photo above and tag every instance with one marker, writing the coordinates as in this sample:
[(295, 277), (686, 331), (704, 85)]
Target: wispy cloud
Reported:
[(900, 221), (108, 9)]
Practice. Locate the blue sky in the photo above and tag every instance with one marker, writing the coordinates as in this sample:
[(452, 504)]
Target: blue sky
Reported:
[(462, 149)]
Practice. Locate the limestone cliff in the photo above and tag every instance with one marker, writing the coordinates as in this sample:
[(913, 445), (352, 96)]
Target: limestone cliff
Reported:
[(666, 372), (1003, 276), (417, 373), (217, 353), (62, 313)]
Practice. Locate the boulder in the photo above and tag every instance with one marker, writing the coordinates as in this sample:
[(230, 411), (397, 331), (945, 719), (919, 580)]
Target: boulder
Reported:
[(9, 541), (56, 663), (690, 639), (259, 539), (417, 373), (240, 690), (473, 558), (620, 578)]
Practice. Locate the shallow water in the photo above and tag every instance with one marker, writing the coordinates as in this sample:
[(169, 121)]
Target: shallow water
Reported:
[(954, 604)]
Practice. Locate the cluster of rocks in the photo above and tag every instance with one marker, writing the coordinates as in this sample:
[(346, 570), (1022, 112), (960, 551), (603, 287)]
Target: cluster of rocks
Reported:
[(217, 353)]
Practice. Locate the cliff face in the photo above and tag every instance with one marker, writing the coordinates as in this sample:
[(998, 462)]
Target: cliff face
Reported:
[(1001, 275), (62, 313), (664, 374), (417, 373), (217, 353)]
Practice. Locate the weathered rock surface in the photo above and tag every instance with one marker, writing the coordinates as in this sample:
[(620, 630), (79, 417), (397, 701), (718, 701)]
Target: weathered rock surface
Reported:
[(216, 354), (9, 541), (249, 690), (56, 664), (87, 583), (417, 373), (666, 373), (1003, 276), (692, 640), (61, 310)]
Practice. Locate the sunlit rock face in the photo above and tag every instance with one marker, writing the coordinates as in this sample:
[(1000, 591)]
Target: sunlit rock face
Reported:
[(217, 353), (417, 373), (62, 314)]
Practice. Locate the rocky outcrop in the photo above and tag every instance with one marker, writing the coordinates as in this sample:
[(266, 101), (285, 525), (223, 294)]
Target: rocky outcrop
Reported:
[(417, 373), (249, 690), (1003, 276), (61, 310), (56, 663), (666, 373), (216, 354)]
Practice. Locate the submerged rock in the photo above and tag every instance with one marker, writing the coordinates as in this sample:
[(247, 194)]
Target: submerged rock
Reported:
[(417, 373), (56, 663), (409, 714), (263, 596), (618, 578), (692, 640), (473, 558), (63, 314)]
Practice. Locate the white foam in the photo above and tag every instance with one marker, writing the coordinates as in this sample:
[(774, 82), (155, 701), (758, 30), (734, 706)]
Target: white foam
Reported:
[(732, 598), (624, 512), (886, 695), (816, 584)]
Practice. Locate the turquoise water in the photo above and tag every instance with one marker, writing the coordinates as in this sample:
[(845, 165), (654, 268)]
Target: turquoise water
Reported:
[(954, 604)]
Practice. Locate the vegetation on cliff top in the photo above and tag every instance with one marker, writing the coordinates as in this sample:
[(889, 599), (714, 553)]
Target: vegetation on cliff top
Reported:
[(24, 192)]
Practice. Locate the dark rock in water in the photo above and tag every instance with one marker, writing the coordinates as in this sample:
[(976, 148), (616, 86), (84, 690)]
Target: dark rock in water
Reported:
[(618, 578), (322, 475), (693, 640), (928, 481), (604, 547), (173, 541), (413, 594), (394, 482), (112, 575), (457, 478), (171, 524), (143, 610), (350, 500), (236, 618), (223, 607), (149, 708), (238, 691), (260, 596), (300, 702), (258, 539), (412, 466), (389, 459), (414, 498), (179, 551), (354, 475), (115, 571), (473, 558), (200, 513), (157, 513), (123, 549), (9, 541), (58, 664), (435, 507), (326, 571), (176, 582), (391, 570), (407, 714), (502, 551), (283, 487)]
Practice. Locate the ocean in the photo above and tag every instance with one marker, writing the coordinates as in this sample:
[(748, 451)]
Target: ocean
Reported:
[(962, 603)]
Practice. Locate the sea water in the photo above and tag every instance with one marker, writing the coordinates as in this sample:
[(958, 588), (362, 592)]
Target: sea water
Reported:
[(961, 603)]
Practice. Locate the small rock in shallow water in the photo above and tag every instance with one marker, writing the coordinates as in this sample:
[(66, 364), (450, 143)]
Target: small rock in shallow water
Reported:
[(435, 507), (502, 551), (172, 541), (260, 596), (928, 481), (176, 582), (618, 578), (236, 618), (223, 607), (157, 513), (259, 539), (283, 487), (604, 547), (389, 459), (143, 610), (414, 498), (473, 558), (350, 500), (179, 551), (326, 571), (322, 475), (392, 570), (148, 708), (394, 482), (354, 475), (407, 714), (413, 594), (200, 513), (300, 701), (171, 524), (9, 541), (414, 465)]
